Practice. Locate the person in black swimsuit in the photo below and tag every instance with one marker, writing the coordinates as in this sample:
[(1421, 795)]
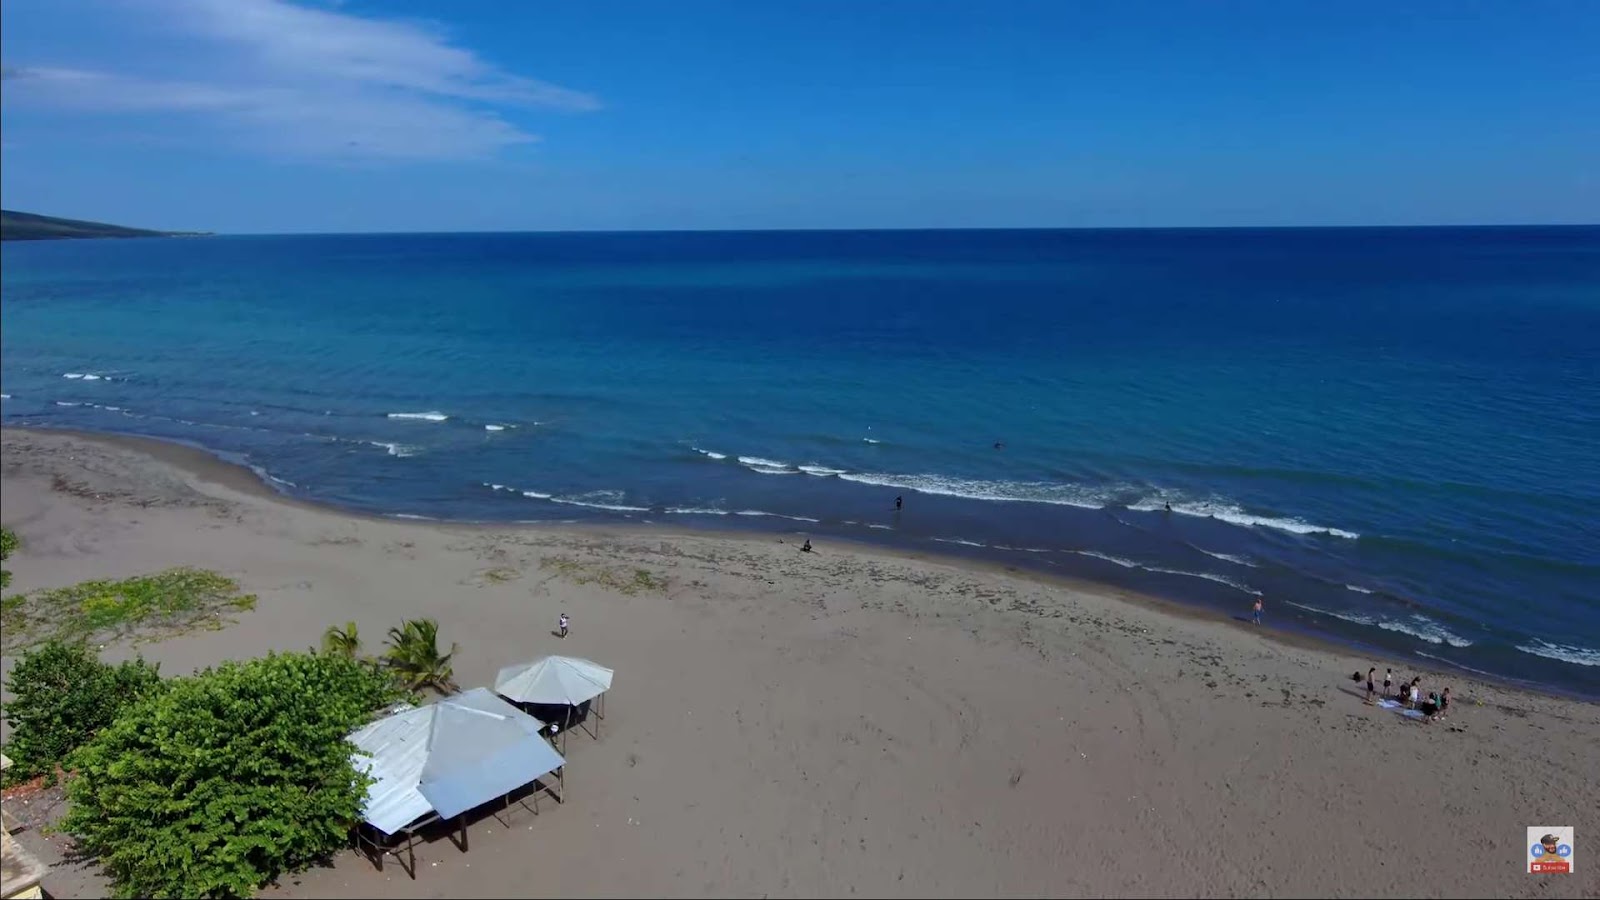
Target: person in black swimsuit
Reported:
[(899, 502), (1372, 690)]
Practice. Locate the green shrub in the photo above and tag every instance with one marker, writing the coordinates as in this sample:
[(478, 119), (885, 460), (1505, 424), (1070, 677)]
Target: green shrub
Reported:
[(8, 543), (226, 779), (63, 695)]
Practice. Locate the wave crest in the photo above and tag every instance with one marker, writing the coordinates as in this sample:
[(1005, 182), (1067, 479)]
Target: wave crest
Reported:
[(1567, 653)]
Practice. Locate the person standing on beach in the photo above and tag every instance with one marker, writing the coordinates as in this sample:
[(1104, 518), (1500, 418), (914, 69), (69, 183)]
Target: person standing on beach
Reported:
[(1371, 689), (1256, 615), (1388, 681), (563, 622), (899, 502)]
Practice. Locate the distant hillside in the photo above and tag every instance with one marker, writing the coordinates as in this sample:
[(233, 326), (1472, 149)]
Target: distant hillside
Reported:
[(21, 226)]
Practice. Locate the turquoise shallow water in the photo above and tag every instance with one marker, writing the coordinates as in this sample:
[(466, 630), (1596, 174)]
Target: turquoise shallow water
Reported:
[(1388, 432)]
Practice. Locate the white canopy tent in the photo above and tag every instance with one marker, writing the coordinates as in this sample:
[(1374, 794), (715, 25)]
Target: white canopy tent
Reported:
[(437, 761), (556, 681)]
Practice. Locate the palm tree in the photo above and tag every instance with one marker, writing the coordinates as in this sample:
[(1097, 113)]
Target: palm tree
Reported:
[(414, 656), (343, 642)]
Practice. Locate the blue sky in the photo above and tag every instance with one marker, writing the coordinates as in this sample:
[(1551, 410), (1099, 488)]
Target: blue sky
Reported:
[(278, 116)]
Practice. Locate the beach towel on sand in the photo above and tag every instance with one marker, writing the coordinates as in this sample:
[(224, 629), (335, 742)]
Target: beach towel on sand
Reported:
[(1412, 713), (1388, 704)]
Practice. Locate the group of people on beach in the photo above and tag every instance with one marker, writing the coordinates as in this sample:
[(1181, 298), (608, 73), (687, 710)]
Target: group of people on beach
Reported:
[(1434, 706)]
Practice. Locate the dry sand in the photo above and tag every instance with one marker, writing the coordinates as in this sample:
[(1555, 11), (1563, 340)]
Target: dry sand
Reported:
[(850, 721)]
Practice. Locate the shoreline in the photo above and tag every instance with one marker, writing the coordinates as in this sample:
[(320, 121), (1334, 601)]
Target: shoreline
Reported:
[(212, 468), (844, 721)]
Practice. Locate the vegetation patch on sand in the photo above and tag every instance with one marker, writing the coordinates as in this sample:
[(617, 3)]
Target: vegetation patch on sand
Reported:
[(145, 606), (8, 543), (622, 580)]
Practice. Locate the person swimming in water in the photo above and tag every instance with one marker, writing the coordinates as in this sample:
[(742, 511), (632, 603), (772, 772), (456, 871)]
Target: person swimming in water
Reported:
[(899, 502), (999, 445), (1168, 506)]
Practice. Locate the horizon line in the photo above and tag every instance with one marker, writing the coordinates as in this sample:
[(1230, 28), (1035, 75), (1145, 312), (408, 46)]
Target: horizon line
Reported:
[(913, 228)]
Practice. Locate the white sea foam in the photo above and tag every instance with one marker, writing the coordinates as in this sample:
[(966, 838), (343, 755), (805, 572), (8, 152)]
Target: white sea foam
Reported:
[(1236, 560), (393, 449), (1022, 549), (821, 471), (73, 375), (1135, 564), (5, 396), (1125, 563), (959, 541), (763, 462), (535, 495), (1420, 626), (1357, 588), (773, 470), (411, 516), (612, 507), (695, 511), (1578, 656), (882, 527), (871, 440), (1354, 617), (710, 454), (1231, 513), (494, 428), (67, 403), (974, 489), (1454, 663), (1209, 576), (430, 416), (757, 512)]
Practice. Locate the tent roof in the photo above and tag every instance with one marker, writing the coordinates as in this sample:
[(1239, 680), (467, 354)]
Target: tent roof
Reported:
[(448, 757), (554, 679)]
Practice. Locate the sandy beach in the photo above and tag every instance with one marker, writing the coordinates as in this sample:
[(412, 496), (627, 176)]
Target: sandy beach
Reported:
[(848, 721)]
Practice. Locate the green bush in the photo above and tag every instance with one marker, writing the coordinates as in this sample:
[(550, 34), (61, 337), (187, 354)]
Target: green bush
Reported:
[(8, 544), (226, 779), (63, 695)]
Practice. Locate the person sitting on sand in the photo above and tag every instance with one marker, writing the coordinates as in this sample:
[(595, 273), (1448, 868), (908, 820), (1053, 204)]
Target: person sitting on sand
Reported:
[(806, 547), (1429, 706)]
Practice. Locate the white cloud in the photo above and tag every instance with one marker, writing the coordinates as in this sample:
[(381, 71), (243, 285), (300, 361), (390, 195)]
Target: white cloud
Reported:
[(311, 83)]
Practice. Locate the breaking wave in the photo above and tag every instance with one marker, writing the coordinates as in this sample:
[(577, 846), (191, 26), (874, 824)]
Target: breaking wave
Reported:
[(1578, 656)]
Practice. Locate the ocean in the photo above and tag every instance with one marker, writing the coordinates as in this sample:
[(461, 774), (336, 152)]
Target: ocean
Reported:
[(1390, 434)]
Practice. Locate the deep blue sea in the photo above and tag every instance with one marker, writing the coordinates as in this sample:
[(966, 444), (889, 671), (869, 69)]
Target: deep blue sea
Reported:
[(1392, 434)]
